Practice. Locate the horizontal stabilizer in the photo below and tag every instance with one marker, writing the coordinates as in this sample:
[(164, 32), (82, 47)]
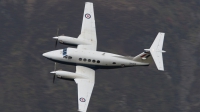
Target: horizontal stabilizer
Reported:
[(156, 51)]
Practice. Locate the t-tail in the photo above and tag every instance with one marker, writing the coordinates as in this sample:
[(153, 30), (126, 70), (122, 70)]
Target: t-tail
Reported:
[(154, 52)]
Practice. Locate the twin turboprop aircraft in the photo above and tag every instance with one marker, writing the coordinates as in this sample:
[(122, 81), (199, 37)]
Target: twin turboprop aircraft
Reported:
[(87, 59)]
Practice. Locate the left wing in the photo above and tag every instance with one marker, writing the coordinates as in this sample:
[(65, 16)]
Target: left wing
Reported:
[(85, 86), (88, 30)]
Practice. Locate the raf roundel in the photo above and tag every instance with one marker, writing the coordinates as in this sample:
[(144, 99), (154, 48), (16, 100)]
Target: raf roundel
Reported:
[(88, 16), (82, 99)]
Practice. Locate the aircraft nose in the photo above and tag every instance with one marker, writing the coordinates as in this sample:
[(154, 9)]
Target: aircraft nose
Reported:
[(56, 54), (47, 55)]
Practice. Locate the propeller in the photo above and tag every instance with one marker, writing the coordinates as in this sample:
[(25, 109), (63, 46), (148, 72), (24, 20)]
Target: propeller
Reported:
[(54, 76), (56, 37)]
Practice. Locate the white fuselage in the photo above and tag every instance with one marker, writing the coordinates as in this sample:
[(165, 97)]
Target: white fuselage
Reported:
[(95, 59)]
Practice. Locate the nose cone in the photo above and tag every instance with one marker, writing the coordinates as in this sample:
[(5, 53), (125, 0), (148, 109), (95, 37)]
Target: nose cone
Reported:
[(47, 55), (53, 72), (53, 55), (56, 38)]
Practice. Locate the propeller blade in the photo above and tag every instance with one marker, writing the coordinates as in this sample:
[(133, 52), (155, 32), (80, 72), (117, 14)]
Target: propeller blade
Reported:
[(56, 43), (55, 66), (56, 37), (57, 32), (54, 76)]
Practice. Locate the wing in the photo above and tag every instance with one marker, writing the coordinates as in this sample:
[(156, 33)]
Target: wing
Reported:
[(85, 87), (88, 31)]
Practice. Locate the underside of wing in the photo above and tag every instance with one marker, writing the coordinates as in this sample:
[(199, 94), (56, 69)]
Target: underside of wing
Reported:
[(88, 31), (85, 86)]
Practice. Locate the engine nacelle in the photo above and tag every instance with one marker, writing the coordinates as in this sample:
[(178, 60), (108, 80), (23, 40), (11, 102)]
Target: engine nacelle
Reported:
[(71, 41), (67, 75)]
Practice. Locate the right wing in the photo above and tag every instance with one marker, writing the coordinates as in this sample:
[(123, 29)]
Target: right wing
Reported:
[(88, 31), (85, 86)]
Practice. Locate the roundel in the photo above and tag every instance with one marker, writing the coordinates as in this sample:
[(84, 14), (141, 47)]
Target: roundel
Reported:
[(82, 99), (88, 16)]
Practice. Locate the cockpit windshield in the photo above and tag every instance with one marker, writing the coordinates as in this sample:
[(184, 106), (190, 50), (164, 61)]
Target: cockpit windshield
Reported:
[(65, 52)]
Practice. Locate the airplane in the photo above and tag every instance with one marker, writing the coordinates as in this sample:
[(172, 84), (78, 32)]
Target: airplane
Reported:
[(87, 59)]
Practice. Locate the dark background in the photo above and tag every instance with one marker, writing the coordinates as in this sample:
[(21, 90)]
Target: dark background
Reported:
[(124, 27)]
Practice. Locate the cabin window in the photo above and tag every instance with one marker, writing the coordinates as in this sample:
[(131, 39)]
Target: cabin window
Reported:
[(69, 57), (93, 61), (80, 59), (65, 56), (98, 61), (114, 62), (84, 59), (89, 60)]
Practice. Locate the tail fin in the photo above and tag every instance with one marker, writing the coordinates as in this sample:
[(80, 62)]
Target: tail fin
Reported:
[(156, 51), (144, 57)]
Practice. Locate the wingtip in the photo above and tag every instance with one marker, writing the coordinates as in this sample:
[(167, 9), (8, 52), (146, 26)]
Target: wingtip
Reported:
[(88, 3), (81, 110), (161, 69), (162, 32)]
